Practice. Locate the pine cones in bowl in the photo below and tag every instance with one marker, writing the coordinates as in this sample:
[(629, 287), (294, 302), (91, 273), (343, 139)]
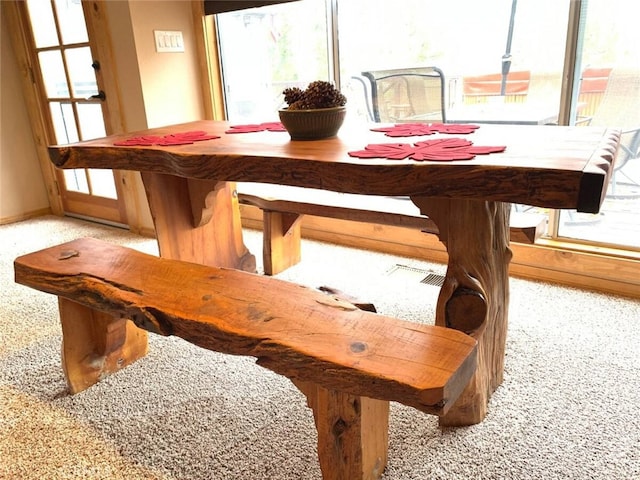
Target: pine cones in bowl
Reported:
[(315, 113)]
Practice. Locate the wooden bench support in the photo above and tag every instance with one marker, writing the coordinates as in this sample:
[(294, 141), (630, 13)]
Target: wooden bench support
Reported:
[(348, 362), (283, 208), (281, 241), (96, 344), (353, 436)]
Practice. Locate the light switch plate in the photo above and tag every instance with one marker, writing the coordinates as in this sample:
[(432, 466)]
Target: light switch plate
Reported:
[(169, 41)]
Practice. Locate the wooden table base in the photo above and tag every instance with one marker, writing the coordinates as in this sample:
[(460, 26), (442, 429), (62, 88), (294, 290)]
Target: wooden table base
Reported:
[(473, 299), (475, 295), (197, 221)]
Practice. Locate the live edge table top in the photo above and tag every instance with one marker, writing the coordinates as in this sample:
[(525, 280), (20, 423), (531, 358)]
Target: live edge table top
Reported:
[(546, 166)]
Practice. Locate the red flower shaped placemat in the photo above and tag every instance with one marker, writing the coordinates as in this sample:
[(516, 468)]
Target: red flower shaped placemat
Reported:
[(183, 138), (416, 129), (257, 127), (441, 150)]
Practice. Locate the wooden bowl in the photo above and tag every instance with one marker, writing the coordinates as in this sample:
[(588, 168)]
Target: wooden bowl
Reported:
[(312, 124)]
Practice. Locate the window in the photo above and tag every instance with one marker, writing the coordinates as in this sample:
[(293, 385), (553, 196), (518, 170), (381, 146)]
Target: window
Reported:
[(267, 49), (608, 93)]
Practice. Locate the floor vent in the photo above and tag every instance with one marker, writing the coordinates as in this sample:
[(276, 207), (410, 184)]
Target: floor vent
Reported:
[(403, 272), (434, 279)]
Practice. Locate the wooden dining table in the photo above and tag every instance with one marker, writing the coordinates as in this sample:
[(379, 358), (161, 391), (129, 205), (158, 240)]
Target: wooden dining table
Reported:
[(191, 192)]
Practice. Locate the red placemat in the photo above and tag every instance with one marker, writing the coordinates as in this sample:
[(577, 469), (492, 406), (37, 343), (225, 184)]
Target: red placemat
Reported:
[(441, 150), (257, 127), (416, 129), (183, 138)]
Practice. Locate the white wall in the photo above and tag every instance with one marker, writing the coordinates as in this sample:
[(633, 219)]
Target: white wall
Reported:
[(156, 89), (22, 190), (171, 81)]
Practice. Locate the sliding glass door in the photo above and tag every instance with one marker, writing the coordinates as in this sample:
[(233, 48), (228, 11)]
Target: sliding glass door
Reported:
[(608, 94), (504, 61)]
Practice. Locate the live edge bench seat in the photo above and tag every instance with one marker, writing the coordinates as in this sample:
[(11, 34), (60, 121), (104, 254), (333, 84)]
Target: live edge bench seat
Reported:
[(284, 206), (349, 363)]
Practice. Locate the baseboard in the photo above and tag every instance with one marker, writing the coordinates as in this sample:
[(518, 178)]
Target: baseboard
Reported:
[(596, 271), (25, 216)]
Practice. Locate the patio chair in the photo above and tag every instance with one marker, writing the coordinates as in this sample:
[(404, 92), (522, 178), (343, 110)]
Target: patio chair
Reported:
[(360, 88), (407, 95), (620, 108), (593, 84), (480, 88)]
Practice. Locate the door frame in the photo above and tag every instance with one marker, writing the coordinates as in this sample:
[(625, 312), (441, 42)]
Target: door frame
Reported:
[(100, 45)]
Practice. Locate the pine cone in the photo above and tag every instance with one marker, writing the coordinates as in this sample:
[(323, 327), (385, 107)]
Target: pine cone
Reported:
[(323, 94), (300, 105), (292, 94), (319, 94)]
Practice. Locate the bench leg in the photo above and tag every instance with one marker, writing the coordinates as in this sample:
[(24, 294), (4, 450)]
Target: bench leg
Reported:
[(96, 344), (281, 241), (475, 295), (353, 433)]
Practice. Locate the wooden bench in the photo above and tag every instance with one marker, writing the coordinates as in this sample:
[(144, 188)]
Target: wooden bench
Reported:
[(283, 209), (349, 363)]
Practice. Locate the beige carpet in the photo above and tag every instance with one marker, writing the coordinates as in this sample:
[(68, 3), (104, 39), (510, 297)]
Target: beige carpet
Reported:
[(568, 408)]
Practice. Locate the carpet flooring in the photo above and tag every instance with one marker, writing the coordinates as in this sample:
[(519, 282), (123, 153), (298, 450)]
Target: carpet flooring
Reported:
[(567, 409)]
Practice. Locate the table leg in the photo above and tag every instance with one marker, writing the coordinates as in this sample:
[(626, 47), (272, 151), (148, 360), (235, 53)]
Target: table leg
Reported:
[(475, 295), (197, 221)]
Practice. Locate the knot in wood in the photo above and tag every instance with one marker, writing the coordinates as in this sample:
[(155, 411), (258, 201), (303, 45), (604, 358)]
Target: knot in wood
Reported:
[(67, 254), (358, 347), (466, 310), (339, 427)]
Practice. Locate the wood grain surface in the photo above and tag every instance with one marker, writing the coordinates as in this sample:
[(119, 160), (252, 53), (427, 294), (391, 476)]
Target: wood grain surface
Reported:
[(546, 166), (468, 201), (297, 332)]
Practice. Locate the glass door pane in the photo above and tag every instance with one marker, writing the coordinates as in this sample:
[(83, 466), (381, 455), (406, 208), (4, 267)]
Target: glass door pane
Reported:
[(71, 22), (82, 74), (55, 80), (76, 180), (471, 42), (90, 120), (43, 23), (64, 122), (609, 95), (102, 184)]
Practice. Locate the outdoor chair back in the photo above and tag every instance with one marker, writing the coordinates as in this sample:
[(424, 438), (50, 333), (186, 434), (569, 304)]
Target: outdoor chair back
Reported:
[(480, 88), (407, 95), (620, 108)]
